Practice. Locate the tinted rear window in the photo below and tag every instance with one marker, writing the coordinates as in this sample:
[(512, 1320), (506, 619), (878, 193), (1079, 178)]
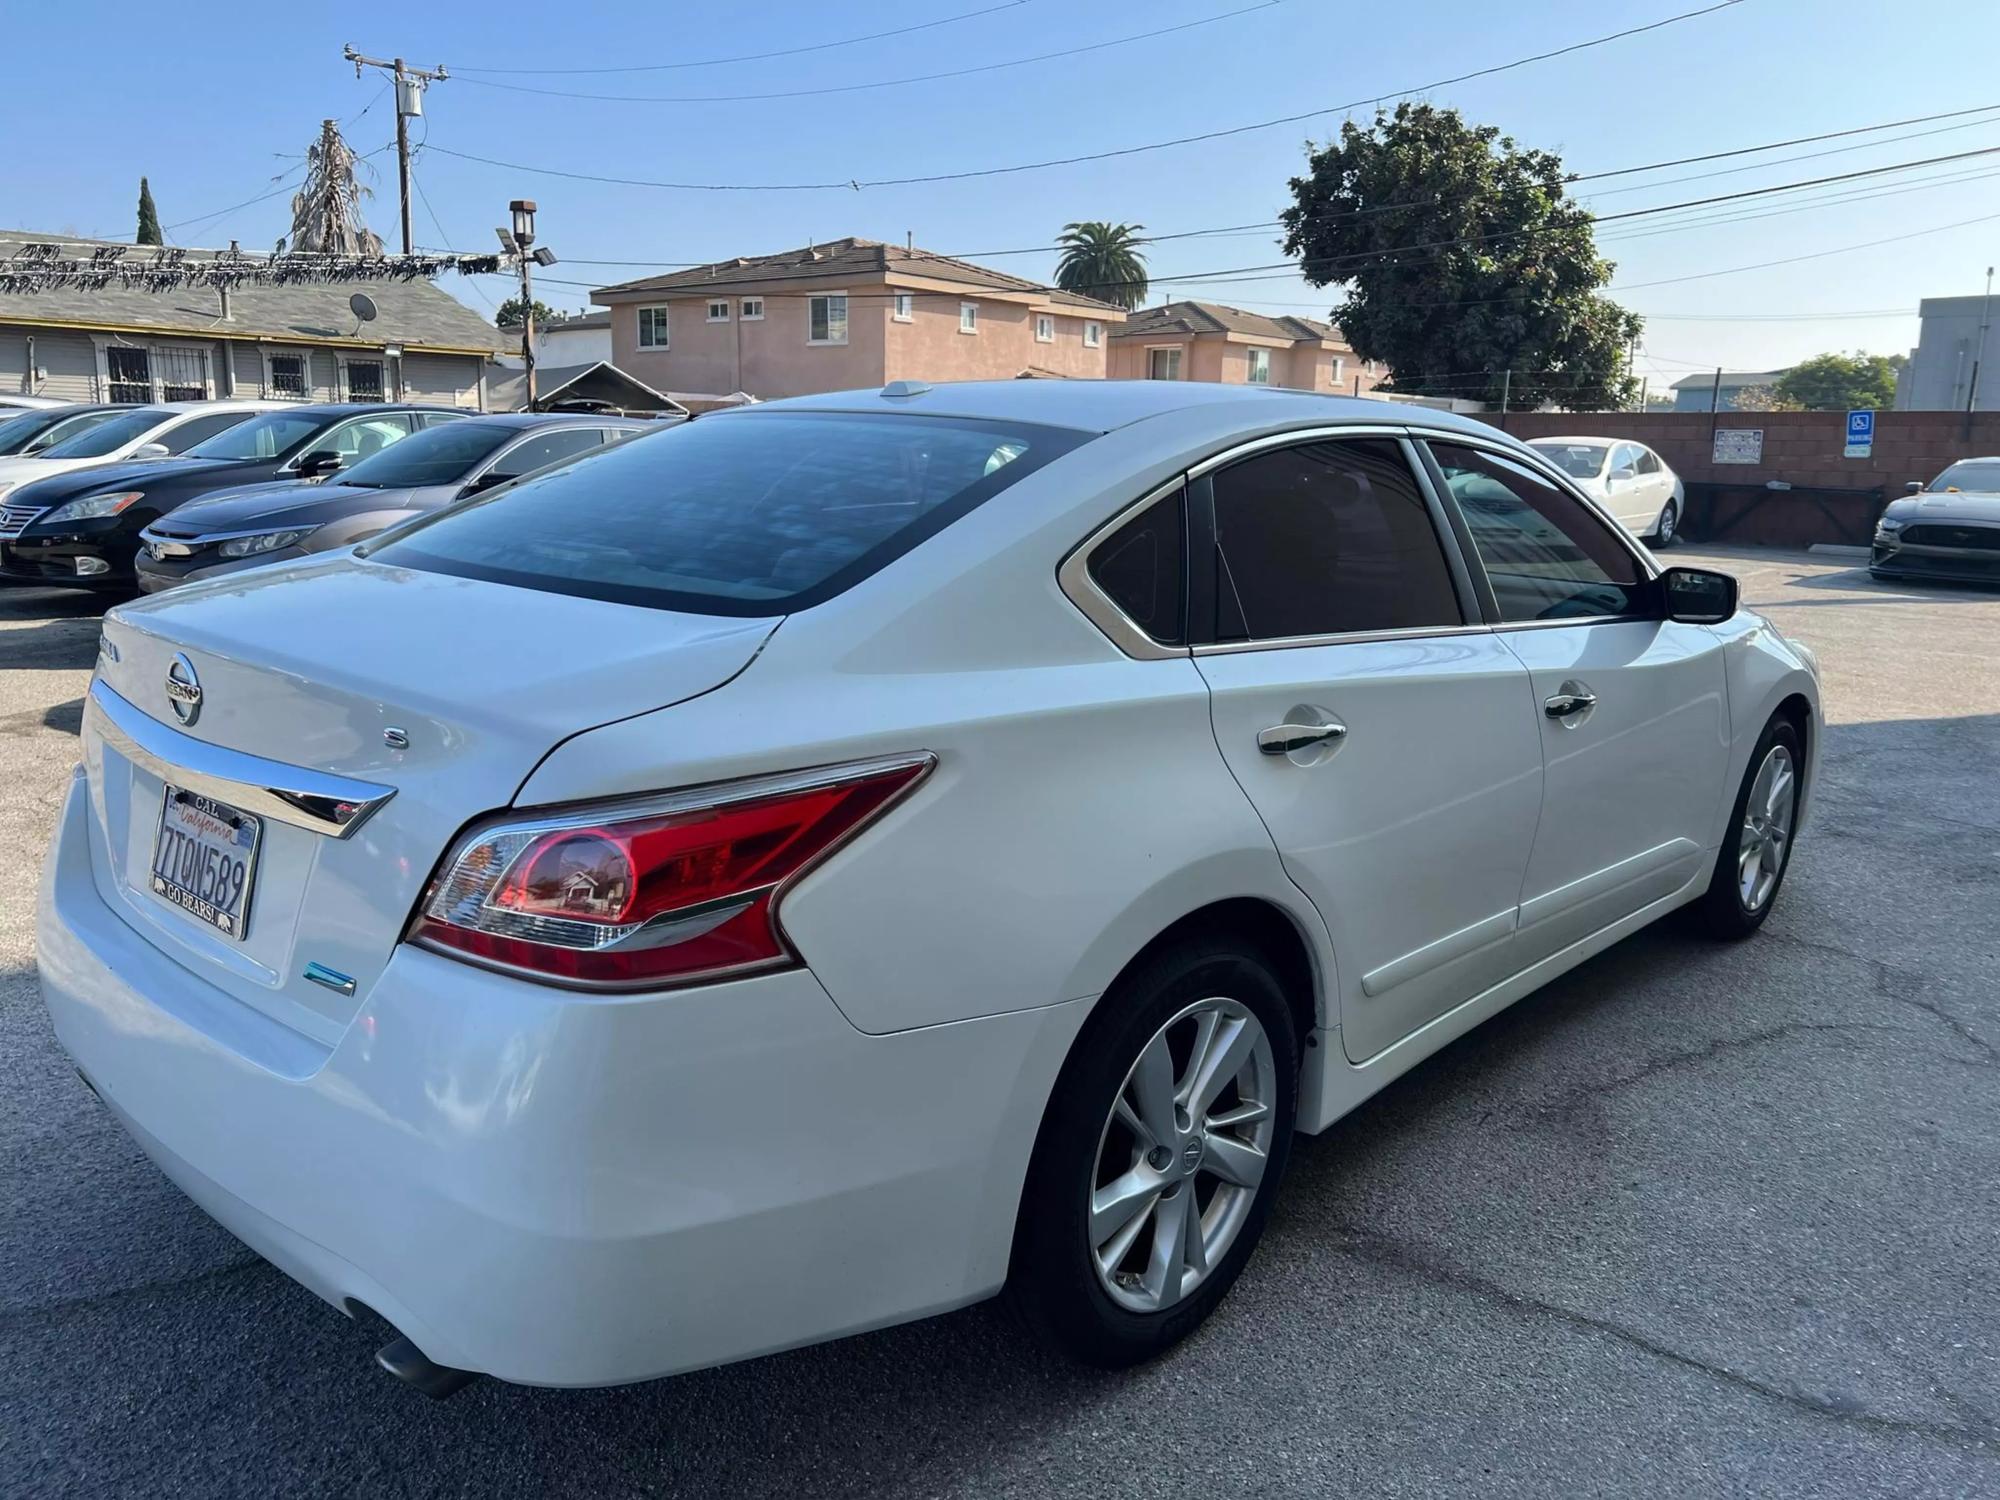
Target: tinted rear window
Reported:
[(750, 514)]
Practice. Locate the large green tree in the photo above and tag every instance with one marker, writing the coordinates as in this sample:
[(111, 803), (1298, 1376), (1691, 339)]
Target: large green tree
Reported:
[(1103, 261), (509, 315), (1463, 259), (149, 217), (1842, 382)]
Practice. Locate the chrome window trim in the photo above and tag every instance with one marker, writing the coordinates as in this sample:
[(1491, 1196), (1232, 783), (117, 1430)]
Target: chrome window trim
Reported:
[(1073, 578), (317, 801), (1395, 428), (1343, 638)]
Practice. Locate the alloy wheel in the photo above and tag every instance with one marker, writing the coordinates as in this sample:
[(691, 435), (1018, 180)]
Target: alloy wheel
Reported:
[(1767, 828), (1669, 519), (1181, 1153)]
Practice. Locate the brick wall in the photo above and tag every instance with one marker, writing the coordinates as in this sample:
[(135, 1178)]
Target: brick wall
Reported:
[(1732, 502)]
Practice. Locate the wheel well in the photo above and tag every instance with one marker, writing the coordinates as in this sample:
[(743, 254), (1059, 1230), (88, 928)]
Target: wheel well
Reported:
[(1799, 712), (1266, 928)]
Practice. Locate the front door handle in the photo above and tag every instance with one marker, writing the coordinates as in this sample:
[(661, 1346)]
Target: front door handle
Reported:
[(1283, 739), (1573, 700)]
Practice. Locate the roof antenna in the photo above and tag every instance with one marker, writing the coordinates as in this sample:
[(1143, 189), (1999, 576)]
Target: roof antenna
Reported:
[(909, 242)]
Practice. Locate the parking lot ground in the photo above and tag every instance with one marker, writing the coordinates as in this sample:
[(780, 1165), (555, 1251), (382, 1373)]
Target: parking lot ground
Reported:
[(1693, 1220)]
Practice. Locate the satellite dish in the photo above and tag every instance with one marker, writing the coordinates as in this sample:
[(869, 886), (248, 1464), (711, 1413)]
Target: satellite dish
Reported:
[(363, 306)]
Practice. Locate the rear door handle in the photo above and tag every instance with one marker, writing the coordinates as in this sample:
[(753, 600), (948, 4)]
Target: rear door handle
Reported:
[(1283, 739), (1569, 703)]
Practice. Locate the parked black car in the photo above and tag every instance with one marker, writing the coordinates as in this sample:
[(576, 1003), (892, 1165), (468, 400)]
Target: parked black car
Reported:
[(289, 519), (87, 531), (43, 427)]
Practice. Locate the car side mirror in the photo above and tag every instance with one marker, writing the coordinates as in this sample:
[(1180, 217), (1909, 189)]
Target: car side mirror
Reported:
[(1618, 478), (1698, 596), (487, 481), (151, 450), (1914, 487), (325, 461)]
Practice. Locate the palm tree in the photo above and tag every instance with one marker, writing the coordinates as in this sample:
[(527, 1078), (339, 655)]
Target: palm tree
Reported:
[(1103, 261), (326, 213)]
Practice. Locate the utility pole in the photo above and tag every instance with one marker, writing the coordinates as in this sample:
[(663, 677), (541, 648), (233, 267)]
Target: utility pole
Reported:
[(1978, 353), (1506, 390), (410, 85)]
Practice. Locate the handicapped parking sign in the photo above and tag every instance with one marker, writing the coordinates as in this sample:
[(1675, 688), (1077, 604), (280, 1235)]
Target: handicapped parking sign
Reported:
[(1860, 434)]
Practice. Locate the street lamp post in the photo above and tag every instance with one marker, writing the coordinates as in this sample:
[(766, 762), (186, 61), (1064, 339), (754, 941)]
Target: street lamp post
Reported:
[(523, 210)]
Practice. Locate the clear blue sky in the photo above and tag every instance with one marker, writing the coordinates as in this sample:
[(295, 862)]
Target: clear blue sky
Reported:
[(216, 107)]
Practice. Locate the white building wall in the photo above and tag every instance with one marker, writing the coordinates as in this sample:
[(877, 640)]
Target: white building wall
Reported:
[(1940, 372)]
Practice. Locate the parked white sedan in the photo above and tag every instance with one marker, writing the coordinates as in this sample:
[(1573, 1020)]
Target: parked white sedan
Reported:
[(162, 431), (1628, 479), (810, 868)]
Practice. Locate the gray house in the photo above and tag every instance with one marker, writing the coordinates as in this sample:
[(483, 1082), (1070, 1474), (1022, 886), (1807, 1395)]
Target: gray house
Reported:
[(1697, 391), (301, 342)]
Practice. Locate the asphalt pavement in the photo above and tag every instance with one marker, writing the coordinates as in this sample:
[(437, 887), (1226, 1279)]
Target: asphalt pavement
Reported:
[(1694, 1220)]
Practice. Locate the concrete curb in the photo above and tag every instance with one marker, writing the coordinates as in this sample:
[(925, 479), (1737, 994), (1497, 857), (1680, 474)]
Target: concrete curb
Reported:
[(1837, 549)]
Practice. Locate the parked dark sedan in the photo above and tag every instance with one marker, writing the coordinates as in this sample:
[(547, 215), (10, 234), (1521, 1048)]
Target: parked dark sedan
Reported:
[(265, 523), (86, 531)]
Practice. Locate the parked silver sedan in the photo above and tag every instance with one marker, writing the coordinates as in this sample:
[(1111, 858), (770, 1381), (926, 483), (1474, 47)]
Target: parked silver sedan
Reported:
[(290, 519)]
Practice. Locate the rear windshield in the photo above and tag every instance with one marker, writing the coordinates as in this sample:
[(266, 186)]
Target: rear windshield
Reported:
[(437, 455), (261, 437), (108, 437), (741, 514), (1578, 460)]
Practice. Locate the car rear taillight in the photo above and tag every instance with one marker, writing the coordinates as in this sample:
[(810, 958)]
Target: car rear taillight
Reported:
[(662, 890)]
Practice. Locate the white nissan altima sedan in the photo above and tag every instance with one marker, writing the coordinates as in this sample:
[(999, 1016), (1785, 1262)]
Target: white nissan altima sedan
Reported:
[(830, 862)]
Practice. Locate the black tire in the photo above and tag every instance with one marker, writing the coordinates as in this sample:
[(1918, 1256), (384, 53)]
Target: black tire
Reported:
[(1669, 527), (1054, 1285), (1722, 911)]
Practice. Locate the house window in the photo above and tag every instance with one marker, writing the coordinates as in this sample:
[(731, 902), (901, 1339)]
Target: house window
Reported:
[(968, 317), (906, 307), (1045, 329), (1369, 367), (827, 319), (364, 379), (1093, 333), (1163, 364), (131, 372), (652, 328), (1260, 367), (285, 376), (718, 310), (753, 309), (159, 372), (1339, 368)]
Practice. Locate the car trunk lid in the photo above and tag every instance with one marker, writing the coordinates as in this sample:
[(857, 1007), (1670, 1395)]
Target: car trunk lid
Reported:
[(442, 692)]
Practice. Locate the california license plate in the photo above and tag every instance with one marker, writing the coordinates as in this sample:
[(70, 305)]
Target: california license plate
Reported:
[(204, 859)]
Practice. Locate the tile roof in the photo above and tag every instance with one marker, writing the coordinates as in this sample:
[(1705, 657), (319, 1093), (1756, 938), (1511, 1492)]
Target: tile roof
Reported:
[(1214, 317), (415, 314), (836, 259)]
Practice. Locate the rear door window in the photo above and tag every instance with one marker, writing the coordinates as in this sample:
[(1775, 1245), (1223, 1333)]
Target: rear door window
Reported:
[(746, 513), (201, 429), (547, 448), (1327, 538), (1546, 553)]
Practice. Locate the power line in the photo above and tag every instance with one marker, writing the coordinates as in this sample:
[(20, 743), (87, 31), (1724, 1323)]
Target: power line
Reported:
[(264, 197), (880, 83), (1037, 166), (713, 62)]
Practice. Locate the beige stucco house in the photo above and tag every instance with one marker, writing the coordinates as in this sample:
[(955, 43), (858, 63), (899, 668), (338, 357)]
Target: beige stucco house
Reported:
[(1208, 341), (846, 314)]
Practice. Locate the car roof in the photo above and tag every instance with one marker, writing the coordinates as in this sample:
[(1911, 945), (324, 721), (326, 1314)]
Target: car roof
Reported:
[(349, 408), (525, 421), (1588, 437), (1103, 405), (225, 404)]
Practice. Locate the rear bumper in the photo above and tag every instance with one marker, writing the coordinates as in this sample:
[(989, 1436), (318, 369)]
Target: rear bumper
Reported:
[(562, 1189)]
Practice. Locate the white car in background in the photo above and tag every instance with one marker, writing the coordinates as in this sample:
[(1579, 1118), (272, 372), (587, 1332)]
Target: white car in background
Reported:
[(1628, 479), (813, 867), (161, 431)]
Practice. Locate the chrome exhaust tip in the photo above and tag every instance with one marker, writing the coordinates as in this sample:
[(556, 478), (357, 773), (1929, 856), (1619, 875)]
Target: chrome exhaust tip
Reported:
[(413, 1367)]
